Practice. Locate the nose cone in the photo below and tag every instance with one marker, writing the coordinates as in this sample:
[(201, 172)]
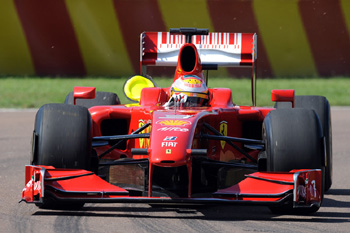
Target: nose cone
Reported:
[(169, 154), (171, 136)]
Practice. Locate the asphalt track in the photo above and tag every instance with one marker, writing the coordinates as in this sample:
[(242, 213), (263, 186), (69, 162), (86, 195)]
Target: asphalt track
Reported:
[(15, 135)]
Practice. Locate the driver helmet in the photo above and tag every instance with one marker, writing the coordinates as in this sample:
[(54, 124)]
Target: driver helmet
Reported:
[(192, 86)]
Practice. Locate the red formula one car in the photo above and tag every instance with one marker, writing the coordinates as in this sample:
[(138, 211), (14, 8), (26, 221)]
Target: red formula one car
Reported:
[(186, 143)]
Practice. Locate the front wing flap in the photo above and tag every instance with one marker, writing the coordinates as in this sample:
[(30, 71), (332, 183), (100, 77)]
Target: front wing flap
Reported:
[(66, 184), (303, 187)]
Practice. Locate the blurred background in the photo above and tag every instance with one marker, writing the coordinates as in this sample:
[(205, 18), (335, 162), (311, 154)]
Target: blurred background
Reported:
[(296, 38)]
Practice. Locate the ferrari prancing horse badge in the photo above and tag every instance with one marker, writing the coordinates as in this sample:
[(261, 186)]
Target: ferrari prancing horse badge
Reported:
[(223, 131)]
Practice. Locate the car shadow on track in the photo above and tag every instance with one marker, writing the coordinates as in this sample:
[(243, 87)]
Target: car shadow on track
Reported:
[(332, 211), (339, 192)]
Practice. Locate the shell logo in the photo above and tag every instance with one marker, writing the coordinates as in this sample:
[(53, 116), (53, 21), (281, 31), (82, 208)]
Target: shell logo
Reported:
[(174, 122)]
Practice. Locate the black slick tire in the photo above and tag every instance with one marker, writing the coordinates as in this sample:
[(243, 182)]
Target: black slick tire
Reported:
[(321, 106), (293, 141), (62, 138)]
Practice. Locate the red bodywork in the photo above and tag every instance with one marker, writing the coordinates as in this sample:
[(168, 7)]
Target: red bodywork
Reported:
[(177, 143), (301, 186)]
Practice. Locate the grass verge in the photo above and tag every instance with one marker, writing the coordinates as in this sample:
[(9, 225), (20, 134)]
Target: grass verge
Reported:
[(24, 92)]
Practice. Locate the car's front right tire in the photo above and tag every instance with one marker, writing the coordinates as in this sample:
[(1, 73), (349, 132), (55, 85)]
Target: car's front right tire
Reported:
[(62, 139)]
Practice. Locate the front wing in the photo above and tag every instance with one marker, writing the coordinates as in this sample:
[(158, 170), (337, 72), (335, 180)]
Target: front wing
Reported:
[(302, 187)]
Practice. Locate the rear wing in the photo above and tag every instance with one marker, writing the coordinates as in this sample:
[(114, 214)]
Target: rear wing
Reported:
[(222, 49), (215, 49)]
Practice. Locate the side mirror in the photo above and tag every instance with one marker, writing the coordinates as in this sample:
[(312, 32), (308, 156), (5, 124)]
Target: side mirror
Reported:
[(83, 93), (283, 96), (134, 85)]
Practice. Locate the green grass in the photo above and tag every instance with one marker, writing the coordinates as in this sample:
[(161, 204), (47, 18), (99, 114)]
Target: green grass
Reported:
[(24, 92)]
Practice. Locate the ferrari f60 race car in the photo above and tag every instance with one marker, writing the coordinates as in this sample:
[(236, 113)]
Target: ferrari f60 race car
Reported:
[(186, 143)]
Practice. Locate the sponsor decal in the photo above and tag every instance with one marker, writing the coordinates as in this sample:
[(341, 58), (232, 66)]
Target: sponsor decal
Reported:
[(169, 144), (170, 138), (34, 186), (173, 129), (37, 186), (313, 190), (308, 190), (174, 122), (144, 142), (302, 192), (176, 117), (168, 151), (192, 81), (192, 85), (223, 131)]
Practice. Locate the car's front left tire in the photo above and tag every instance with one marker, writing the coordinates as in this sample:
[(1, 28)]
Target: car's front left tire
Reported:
[(293, 140)]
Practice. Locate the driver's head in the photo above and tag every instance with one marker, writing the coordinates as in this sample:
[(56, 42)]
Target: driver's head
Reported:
[(192, 86)]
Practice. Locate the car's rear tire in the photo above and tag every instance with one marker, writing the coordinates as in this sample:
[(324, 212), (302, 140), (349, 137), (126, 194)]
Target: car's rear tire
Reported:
[(62, 138), (293, 141), (102, 98), (321, 106)]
